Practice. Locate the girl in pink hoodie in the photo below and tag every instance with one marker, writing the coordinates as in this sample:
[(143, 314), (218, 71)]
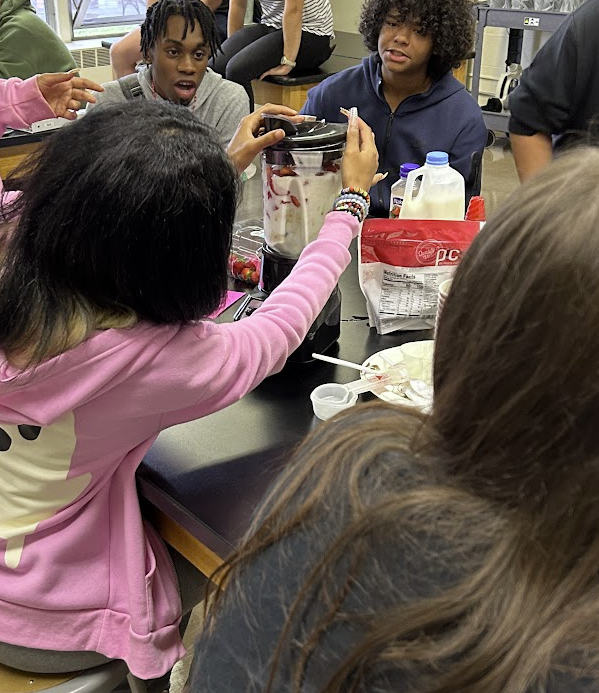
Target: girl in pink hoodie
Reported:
[(119, 252)]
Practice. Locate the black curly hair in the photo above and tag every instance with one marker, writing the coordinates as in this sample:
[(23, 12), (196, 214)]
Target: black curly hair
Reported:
[(193, 11), (450, 22)]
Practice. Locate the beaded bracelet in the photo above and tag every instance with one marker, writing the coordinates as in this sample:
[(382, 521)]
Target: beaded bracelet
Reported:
[(351, 203), (349, 210), (359, 209), (354, 200), (357, 191), (357, 199)]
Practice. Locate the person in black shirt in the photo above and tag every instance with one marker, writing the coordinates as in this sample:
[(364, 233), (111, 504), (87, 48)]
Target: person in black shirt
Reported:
[(558, 94)]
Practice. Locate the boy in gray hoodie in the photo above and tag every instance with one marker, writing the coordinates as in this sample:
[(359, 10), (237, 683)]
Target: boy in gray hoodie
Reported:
[(178, 38)]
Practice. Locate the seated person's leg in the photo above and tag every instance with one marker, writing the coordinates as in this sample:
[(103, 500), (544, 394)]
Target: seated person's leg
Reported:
[(313, 51), (221, 26), (229, 64), (266, 52), (125, 54)]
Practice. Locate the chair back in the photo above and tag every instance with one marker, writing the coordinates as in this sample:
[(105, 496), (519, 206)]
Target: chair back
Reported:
[(474, 180), (102, 679)]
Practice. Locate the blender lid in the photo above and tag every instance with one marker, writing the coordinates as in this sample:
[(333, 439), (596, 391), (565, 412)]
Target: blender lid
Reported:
[(307, 135)]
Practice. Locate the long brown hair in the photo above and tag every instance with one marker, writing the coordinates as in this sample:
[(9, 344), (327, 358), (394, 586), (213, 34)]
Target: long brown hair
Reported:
[(498, 489)]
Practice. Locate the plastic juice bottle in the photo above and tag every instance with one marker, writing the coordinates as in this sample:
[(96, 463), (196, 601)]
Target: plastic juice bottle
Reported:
[(398, 189), (441, 194)]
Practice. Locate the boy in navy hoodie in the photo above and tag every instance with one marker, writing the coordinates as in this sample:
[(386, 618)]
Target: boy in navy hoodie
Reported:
[(406, 91)]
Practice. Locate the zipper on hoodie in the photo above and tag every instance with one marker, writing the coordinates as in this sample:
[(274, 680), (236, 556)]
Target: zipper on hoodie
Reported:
[(385, 146)]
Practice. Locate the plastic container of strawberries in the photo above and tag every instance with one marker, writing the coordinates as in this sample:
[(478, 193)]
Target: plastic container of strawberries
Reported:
[(245, 259)]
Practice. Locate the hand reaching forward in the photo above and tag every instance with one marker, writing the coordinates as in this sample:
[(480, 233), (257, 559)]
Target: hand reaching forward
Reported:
[(279, 70), (248, 141), (65, 92)]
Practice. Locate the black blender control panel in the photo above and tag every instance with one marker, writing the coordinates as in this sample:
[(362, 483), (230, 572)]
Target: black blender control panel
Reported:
[(248, 306)]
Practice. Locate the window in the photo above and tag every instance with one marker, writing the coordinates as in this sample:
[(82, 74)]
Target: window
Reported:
[(96, 17), (77, 19), (40, 9)]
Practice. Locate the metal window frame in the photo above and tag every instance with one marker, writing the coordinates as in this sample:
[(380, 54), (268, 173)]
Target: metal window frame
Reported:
[(50, 9), (81, 8)]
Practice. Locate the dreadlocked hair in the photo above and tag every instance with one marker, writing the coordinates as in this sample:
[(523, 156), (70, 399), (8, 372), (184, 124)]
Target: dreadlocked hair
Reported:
[(192, 11), (450, 23)]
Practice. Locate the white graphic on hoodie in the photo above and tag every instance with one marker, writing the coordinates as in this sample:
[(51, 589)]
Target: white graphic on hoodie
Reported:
[(34, 464)]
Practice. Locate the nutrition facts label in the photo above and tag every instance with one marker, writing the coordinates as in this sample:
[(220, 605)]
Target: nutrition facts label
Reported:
[(411, 294)]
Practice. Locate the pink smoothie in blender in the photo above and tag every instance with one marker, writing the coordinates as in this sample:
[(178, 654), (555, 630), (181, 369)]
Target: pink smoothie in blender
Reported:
[(301, 177)]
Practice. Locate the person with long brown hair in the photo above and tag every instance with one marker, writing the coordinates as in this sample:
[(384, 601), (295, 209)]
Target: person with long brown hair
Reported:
[(454, 552)]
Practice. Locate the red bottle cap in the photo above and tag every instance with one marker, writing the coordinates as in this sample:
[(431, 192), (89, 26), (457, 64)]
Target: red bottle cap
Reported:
[(476, 209)]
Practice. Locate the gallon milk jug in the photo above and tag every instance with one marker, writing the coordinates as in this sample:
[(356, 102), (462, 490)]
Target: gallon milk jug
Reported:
[(441, 194)]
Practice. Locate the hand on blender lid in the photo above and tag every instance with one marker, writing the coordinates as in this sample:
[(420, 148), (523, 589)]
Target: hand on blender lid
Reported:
[(290, 126), (251, 137)]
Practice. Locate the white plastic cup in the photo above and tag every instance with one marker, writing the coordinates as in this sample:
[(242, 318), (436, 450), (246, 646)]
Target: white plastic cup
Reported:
[(444, 288), (331, 398), (418, 360)]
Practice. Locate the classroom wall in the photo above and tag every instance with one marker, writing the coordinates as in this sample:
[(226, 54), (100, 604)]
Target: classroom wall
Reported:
[(346, 14)]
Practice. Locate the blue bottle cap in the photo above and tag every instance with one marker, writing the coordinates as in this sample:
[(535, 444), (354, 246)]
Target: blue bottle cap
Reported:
[(404, 169), (437, 158)]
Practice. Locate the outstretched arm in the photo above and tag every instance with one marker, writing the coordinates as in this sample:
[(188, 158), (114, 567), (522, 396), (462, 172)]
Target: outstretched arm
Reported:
[(237, 10), (64, 92), (531, 153), (126, 53), (292, 35)]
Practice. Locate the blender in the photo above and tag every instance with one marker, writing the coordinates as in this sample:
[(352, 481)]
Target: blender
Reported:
[(301, 177)]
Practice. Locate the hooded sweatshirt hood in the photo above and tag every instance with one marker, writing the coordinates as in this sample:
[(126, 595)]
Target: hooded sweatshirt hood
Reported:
[(218, 102), (440, 89), (9, 7), (27, 44), (444, 118)]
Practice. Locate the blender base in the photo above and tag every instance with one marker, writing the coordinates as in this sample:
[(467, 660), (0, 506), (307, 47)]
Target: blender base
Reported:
[(323, 333)]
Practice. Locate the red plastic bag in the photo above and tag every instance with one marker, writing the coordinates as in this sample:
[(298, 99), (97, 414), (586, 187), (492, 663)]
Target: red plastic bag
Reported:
[(402, 263)]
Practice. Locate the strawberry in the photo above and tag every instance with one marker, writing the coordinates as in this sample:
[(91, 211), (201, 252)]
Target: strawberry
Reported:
[(269, 173), (395, 212), (255, 277), (476, 209), (331, 166), (250, 264), (237, 267), (285, 171), (246, 274)]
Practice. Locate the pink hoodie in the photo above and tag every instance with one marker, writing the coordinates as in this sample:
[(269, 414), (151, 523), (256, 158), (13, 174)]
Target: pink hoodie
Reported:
[(79, 569), (21, 103)]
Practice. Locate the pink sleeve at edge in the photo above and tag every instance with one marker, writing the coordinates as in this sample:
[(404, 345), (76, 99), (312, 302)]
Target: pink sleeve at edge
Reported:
[(21, 104)]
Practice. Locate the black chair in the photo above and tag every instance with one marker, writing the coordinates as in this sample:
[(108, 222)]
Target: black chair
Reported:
[(474, 180), (290, 90)]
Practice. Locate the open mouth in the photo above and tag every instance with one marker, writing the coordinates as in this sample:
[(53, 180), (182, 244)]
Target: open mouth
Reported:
[(397, 56), (185, 89)]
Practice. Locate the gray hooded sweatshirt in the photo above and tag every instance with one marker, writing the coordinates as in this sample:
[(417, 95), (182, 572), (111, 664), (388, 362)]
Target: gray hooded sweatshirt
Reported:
[(219, 103)]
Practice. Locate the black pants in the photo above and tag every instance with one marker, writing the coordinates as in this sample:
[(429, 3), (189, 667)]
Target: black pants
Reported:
[(221, 17), (257, 48)]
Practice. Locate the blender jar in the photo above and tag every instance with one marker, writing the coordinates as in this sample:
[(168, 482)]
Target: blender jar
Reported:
[(301, 177)]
